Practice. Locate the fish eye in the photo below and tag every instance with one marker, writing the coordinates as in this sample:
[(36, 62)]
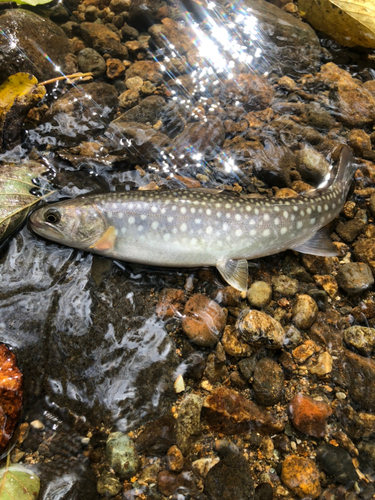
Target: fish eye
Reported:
[(52, 216)]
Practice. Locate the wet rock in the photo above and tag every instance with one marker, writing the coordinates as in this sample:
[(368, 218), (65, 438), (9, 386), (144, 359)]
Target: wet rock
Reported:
[(323, 365), (371, 204), (355, 277), (359, 374), (364, 250), (147, 70), (359, 141), (228, 412), (356, 105), (145, 142), (108, 484), (301, 476), (216, 370), (366, 456), (134, 83), (227, 296), (318, 117), (232, 343), (158, 436), (74, 116), (188, 422), (122, 455), (203, 465), (229, 479), (103, 39), (252, 91), (129, 99), (360, 338), (89, 60), (336, 462), (143, 14), (304, 351), (114, 68), (259, 294), (309, 416), (348, 231), (274, 164), (328, 283), (247, 367), (170, 303), (203, 321), (175, 459), (284, 286), (181, 37), (259, 329), (263, 491), (293, 336), (25, 55), (319, 265), (168, 482), (149, 110), (268, 382), (312, 165), (11, 394), (205, 137), (129, 33), (304, 312)]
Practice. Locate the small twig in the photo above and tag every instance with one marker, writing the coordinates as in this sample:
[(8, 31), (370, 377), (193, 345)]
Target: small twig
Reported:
[(75, 76)]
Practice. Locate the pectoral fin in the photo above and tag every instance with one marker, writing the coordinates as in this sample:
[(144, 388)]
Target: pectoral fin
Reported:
[(319, 244), (235, 272), (107, 241)]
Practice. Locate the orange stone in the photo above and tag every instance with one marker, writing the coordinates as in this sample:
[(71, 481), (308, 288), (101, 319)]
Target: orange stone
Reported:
[(309, 416), (301, 476)]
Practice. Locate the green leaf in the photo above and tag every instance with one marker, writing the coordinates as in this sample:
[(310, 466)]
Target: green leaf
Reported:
[(29, 2), (16, 201), (18, 483)]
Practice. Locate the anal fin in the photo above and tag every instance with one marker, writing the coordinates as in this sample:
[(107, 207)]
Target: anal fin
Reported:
[(107, 241), (235, 272), (319, 244)]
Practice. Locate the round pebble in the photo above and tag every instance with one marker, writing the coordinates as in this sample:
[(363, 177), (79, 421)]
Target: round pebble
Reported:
[(361, 338), (268, 382), (355, 277), (89, 60), (258, 328), (301, 476), (259, 294), (285, 286), (305, 312)]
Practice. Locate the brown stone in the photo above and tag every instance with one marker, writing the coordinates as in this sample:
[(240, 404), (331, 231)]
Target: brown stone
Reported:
[(147, 70), (304, 312), (233, 345), (103, 39), (204, 320), (254, 92), (304, 351), (268, 382), (364, 250), (301, 476), (175, 459), (115, 68), (227, 296), (359, 141), (227, 411), (320, 265), (168, 482), (258, 328), (170, 303), (328, 283), (359, 373), (11, 394), (309, 416)]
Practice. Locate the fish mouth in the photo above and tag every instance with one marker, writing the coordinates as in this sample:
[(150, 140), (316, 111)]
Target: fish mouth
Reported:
[(43, 228)]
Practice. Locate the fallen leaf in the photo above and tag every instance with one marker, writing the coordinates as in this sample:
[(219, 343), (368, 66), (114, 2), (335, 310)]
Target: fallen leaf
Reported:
[(17, 482), (350, 22), (16, 181), (18, 94), (29, 2), (10, 396)]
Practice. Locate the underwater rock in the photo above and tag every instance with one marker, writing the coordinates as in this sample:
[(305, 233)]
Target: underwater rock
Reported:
[(309, 416), (259, 329), (301, 476), (268, 382)]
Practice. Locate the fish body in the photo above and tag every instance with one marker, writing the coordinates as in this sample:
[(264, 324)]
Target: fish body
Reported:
[(196, 227)]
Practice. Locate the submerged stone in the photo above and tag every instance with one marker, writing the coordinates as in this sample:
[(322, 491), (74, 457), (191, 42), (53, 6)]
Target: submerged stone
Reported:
[(122, 455)]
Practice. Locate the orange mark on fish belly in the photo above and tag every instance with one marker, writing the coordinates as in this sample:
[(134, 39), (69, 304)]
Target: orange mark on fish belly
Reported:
[(107, 241)]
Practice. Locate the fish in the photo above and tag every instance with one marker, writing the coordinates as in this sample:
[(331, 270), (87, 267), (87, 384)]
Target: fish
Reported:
[(198, 227)]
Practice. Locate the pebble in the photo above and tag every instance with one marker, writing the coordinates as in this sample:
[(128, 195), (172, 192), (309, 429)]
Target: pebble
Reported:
[(259, 294), (328, 283), (230, 478), (175, 459), (247, 366), (268, 382), (134, 83), (305, 312), (284, 286), (188, 421), (103, 39), (228, 412), (146, 70), (38, 425), (203, 465), (129, 33), (260, 329), (227, 296), (128, 99), (158, 435), (89, 60), (203, 320), (336, 462), (293, 336), (371, 204), (263, 491), (355, 277), (179, 384), (312, 165), (309, 416), (168, 482), (232, 343), (122, 455), (348, 231), (359, 141), (171, 303), (114, 68), (359, 373), (366, 456), (323, 365), (361, 338), (304, 351), (301, 476), (108, 484), (364, 251)]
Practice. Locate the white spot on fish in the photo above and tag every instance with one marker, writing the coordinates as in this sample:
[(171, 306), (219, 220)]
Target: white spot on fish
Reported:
[(209, 230), (326, 207), (266, 217), (308, 210), (285, 214), (198, 221), (228, 216), (123, 230), (155, 225), (277, 209), (227, 205), (256, 211), (131, 220), (238, 217), (283, 230), (225, 226), (253, 232), (319, 208), (333, 206), (194, 241), (143, 217), (238, 232), (218, 214), (208, 211), (312, 221), (248, 208), (266, 232), (170, 219), (163, 210), (276, 221), (295, 208), (154, 209), (183, 210), (299, 224), (166, 237), (174, 230), (183, 227), (140, 228)]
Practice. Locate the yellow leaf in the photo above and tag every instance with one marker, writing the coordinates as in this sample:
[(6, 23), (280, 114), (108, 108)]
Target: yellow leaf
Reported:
[(349, 22)]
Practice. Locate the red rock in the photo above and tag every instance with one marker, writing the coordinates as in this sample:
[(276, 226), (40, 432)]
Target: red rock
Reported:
[(204, 320), (228, 412), (10, 395), (309, 416), (170, 303)]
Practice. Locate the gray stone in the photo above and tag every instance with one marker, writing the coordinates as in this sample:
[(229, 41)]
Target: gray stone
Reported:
[(89, 60), (25, 55), (258, 328), (122, 455), (284, 286), (337, 462), (108, 484), (361, 338), (103, 39), (355, 277), (312, 165), (259, 294), (304, 312), (348, 231), (268, 382), (149, 110), (247, 366), (188, 421)]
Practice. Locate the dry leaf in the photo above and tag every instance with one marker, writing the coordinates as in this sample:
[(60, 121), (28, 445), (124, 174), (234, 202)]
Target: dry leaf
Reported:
[(18, 94), (16, 181), (350, 22)]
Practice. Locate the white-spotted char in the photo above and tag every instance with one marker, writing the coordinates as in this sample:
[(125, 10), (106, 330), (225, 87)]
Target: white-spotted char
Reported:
[(197, 227)]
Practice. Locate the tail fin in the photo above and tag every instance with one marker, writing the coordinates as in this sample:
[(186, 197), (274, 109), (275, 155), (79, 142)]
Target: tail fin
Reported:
[(346, 168)]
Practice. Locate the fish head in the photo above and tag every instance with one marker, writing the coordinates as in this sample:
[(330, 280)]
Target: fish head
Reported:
[(75, 223)]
